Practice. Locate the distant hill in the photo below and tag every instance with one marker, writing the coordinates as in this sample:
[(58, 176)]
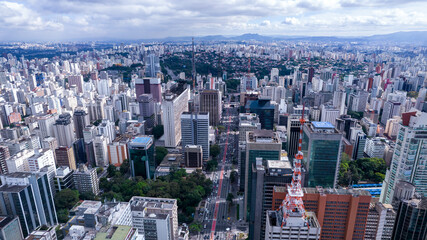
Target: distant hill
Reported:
[(416, 37)]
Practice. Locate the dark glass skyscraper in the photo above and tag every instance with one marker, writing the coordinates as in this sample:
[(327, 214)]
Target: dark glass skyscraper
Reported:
[(411, 220), (141, 154), (321, 145)]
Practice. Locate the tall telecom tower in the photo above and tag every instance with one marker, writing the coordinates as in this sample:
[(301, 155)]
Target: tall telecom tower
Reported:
[(293, 206), (193, 65)]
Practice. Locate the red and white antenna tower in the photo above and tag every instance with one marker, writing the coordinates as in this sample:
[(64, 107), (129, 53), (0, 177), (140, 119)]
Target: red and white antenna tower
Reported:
[(292, 205)]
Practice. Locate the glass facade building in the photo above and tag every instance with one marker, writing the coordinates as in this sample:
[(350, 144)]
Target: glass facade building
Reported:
[(28, 196), (321, 146), (141, 154)]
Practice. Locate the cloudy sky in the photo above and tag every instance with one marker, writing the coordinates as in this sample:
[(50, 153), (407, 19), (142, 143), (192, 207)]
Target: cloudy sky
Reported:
[(33, 20)]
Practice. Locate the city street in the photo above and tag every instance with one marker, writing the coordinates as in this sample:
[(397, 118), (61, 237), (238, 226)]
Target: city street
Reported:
[(219, 218)]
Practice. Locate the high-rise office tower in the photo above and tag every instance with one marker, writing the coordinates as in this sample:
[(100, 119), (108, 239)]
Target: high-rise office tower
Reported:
[(10, 228), (359, 145), (264, 179), (411, 220), (28, 196), (329, 113), (210, 101), (195, 130), (322, 146), (76, 80), (149, 86), (409, 156), (64, 130), (141, 156), (390, 109), (380, 221), (46, 125), (265, 111), (81, 120), (65, 157), (344, 123), (152, 65), (100, 149), (86, 179), (174, 104), (375, 148), (264, 144), (147, 213), (293, 129), (342, 213)]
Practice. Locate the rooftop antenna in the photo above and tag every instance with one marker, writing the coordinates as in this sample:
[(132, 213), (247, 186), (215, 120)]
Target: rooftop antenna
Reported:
[(292, 205), (193, 64)]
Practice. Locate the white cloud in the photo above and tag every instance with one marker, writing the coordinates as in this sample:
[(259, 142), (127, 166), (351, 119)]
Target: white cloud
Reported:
[(134, 19)]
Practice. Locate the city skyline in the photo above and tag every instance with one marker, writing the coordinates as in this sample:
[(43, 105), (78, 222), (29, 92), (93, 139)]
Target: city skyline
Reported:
[(68, 20)]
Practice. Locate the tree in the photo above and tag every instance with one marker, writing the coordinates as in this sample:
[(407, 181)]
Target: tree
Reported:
[(161, 153), (195, 227), (66, 198), (62, 215), (99, 170), (124, 168), (230, 198), (211, 165), (87, 196), (214, 150), (158, 131), (233, 177), (111, 170)]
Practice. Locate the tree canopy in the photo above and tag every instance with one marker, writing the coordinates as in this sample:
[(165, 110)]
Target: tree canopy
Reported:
[(161, 153), (214, 150), (158, 131), (363, 169), (188, 189)]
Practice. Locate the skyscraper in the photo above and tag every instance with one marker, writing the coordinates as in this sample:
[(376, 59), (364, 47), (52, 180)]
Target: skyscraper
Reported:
[(409, 156), (195, 130), (46, 125), (81, 120), (391, 109), (265, 111), (86, 180), (264, 144), (149, 86), (264, 179), (28, 196), (411, 220), (174, 104), (65, 157), (64, 130), (321, 144), (141, 156), (152, 65), (210, 101), (359, 145)]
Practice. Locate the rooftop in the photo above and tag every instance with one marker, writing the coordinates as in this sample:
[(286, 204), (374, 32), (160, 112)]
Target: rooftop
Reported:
[(326, 125), (141, 141), (115, 232)]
